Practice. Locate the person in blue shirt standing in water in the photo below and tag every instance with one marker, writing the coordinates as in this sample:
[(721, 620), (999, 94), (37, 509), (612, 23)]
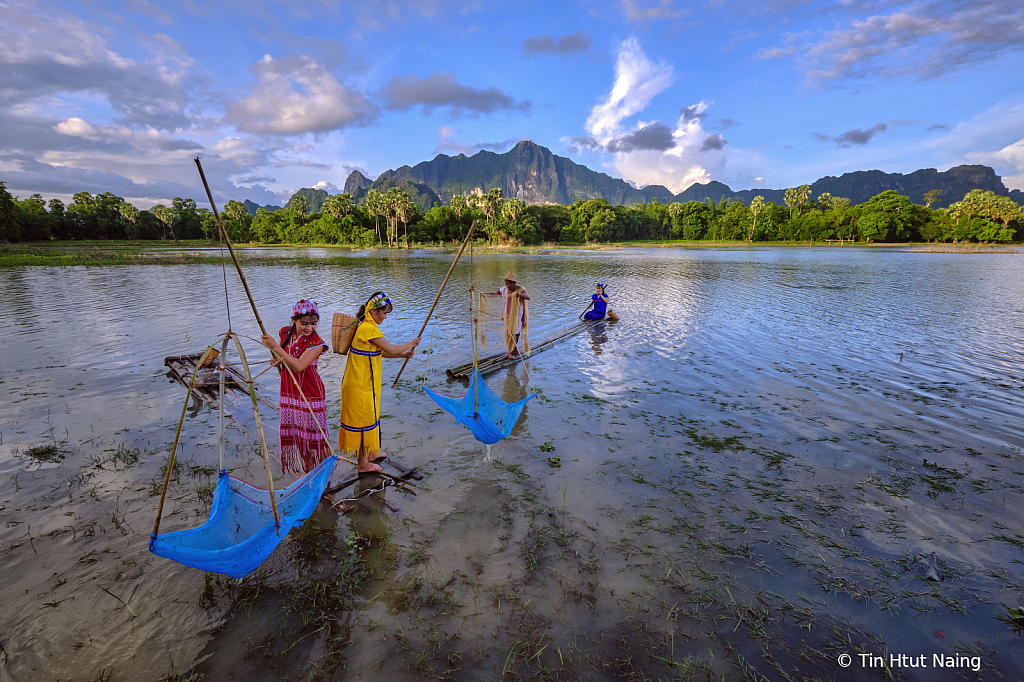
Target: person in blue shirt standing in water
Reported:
[(599, 301)]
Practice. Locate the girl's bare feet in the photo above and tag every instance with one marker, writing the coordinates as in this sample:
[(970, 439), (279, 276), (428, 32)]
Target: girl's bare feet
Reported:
[(366, 467)]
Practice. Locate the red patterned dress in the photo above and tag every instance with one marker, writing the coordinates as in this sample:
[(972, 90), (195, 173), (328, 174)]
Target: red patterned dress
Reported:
[(302, 445)]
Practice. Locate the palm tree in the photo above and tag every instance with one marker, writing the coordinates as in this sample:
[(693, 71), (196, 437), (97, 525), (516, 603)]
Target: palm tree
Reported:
[(300, 205), (791, 199), (756, 206), (131, 214), (338, 205), (374, 206)]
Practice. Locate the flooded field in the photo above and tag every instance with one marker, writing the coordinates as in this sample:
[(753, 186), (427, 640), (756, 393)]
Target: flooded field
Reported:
[(781, 464)]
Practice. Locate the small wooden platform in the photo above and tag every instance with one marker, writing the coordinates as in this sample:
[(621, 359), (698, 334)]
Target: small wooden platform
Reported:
[(345, 480), (492, 363), (207, 383)]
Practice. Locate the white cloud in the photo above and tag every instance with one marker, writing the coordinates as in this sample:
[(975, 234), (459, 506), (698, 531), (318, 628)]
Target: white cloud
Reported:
[(329, 186), (637, 81), (77, 127), (441, 90), (49, 52), (992, 138), (1009, 158), (660, 10), (923, 39), (651, 152), (448, 143), (689, 161), (296, 95)]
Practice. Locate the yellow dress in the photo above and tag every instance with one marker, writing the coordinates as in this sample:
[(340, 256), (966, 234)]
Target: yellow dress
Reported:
[(360, 393)]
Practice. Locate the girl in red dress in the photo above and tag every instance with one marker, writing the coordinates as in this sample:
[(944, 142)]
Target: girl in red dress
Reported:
[(302, 444)]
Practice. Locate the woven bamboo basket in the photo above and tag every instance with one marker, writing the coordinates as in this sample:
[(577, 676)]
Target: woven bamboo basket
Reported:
[(612, 316), (343, 328)]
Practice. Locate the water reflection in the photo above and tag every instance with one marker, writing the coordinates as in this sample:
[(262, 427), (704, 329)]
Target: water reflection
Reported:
[(597, 337)]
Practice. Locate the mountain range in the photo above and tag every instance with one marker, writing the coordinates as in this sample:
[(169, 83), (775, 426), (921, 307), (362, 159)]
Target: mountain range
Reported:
[(535, 175)]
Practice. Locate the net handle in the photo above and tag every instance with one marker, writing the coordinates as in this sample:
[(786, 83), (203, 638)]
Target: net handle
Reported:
[(436, 298), (224, 236)]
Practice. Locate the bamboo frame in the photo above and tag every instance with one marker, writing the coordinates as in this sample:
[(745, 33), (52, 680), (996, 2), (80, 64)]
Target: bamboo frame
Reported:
[(174, 451)]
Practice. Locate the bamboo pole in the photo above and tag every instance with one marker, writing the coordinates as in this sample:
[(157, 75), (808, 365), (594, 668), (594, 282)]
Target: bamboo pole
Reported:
[(438, 297), (476, 327), (224, 234)]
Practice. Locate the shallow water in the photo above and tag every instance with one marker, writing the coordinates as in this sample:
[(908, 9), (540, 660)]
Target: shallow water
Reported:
[(757, 468)]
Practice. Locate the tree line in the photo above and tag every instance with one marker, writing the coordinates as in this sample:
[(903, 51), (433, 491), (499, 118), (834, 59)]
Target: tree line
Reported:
[(981, 216)]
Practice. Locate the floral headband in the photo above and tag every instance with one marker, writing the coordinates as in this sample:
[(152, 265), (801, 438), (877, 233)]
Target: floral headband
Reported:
[(378, 301), (304, 307)]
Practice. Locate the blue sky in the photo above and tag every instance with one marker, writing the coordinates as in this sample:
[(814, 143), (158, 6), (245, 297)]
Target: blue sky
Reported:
[(120, 96)]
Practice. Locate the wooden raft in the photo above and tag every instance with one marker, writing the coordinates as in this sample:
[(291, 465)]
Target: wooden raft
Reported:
[(208, 379), (493, 363)]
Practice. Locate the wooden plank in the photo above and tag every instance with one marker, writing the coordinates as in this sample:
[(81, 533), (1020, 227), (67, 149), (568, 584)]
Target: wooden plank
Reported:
[(351, 477)]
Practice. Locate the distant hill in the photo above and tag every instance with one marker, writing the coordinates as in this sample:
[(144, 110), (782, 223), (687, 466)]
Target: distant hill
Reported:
[(421, 195), (535, 175), (252, 207), (860, 186), (355, 182), (314, 198), (527, 171)]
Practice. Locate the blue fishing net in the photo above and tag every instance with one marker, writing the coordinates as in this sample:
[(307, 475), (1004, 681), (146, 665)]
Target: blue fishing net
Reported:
[(491, 420), (240, 532)]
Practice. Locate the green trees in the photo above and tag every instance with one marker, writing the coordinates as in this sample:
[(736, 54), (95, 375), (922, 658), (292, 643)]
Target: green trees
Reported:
[(981, 216), (300, 205), (375, 206), (985, 217), (396, 206), (490, 205), (131, 216), (338, 205), (167, 217), (889, 217), (694, 218), (732, 220), (8, 216), (237, 221), (756, 207), (931, 196)]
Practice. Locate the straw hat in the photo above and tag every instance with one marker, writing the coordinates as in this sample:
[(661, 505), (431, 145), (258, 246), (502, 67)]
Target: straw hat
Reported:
[(511, 276)]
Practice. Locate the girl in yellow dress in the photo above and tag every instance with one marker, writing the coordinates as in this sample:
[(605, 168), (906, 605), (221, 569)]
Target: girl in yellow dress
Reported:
[(360, 389)]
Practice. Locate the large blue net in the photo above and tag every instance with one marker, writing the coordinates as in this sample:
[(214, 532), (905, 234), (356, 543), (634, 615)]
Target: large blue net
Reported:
[(240, 532), (491, 420)]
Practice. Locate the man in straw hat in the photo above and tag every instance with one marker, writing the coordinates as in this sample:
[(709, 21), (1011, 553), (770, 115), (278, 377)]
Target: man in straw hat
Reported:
[(514, 314)]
